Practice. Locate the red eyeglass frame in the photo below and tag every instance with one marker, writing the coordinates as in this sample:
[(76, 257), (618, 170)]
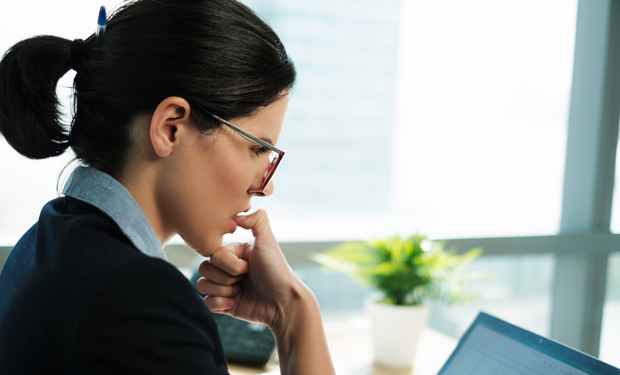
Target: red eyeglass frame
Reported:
[(273, 165)]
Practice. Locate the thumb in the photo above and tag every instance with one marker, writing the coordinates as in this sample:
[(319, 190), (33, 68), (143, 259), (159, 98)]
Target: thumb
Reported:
[(258, 222)]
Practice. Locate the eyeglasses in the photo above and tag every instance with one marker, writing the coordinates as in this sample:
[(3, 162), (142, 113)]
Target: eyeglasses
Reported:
[(275, 156)]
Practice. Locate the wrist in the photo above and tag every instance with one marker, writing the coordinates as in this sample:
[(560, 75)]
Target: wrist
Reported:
[(301, 311), (300, 339)]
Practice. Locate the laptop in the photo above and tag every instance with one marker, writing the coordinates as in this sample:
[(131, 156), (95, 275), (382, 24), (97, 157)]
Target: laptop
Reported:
[(492, 346)]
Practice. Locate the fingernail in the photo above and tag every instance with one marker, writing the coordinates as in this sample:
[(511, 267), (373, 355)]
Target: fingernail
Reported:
[(231, 302), (235, 289)]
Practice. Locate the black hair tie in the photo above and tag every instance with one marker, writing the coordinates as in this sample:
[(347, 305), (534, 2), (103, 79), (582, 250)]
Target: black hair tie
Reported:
[(75, 56)]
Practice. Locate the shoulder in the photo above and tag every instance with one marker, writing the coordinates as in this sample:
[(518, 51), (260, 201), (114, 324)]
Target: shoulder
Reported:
[(82, 242), (147, 287), (68, 222), (147, 318), (64, 256)]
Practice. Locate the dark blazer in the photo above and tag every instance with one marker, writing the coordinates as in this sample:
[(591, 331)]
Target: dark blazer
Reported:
[(76, 297)]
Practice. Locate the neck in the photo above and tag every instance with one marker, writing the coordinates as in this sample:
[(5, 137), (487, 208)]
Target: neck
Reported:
[(140, 180)]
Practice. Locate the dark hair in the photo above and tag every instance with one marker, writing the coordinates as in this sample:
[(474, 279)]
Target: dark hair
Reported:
[(216, 54)]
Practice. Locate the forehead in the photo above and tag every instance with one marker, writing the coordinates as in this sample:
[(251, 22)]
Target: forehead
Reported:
[(266, 123)]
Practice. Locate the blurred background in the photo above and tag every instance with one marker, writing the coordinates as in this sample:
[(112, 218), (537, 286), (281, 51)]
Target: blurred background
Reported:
[(448, 118)]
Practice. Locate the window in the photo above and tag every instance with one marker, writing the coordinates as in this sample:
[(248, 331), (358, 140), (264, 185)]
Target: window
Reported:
[(519, 292), (339, 127), (615, 209), (610, 336), (457, 130), (482, 115)]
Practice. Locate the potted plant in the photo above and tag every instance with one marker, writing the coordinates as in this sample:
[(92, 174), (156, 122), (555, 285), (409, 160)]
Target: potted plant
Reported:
[(407, 272)]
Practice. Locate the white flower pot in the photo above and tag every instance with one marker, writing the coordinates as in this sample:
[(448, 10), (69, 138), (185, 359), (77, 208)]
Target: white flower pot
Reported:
[(395, 331)]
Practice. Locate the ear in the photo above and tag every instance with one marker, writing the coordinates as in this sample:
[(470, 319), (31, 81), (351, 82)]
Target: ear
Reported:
[(171, 114)]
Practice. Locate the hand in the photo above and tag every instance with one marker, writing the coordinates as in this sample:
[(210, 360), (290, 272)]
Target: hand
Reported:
[(254, 282), (251, 282)]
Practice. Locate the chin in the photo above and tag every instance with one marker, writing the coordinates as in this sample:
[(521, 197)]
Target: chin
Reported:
[(203, 246)]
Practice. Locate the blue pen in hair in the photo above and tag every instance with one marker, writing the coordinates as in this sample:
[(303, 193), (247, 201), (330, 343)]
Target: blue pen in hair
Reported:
[(101, 22)]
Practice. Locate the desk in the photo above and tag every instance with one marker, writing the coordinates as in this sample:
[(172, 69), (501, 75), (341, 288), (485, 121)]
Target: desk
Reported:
[(351, 350)]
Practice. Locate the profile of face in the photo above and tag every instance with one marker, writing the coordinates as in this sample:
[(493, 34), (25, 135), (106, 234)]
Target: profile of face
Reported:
[(213, 177)]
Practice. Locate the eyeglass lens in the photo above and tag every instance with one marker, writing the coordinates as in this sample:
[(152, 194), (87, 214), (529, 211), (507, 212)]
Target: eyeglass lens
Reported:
[(273, 163)]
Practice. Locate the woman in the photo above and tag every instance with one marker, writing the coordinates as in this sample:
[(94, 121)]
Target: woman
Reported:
[(177, 107)]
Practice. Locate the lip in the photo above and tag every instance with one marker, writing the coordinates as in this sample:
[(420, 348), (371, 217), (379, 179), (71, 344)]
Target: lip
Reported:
[(233, 223)]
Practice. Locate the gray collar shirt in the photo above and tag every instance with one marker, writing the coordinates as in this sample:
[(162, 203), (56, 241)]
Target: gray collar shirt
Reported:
[(99, 189)]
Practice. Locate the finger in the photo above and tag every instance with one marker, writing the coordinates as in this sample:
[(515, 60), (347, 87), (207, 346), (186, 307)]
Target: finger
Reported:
[(219, 304), (258, 222), (210, 288), (236, 248), (215, 274), (227, 258)]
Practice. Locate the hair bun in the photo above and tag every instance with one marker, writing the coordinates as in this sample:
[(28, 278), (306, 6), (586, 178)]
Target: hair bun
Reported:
[(29, 107)]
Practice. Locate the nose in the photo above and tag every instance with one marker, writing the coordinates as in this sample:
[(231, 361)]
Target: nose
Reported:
[(268, 189), (265, 193)]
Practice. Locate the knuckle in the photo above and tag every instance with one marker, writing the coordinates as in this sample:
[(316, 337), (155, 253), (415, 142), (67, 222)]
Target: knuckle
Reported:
[(219, 258), (213, 262), (224, 268), (261, 214), (204, 266), (202, 285), (237, 270), (230, 280), (211, 304), (215, 256), (216, 303)]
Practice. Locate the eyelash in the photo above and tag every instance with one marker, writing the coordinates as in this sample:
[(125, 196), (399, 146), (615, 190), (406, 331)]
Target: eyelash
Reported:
[(259, 150)]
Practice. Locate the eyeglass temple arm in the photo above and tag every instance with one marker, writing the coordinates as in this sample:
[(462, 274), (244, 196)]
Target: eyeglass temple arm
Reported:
[(248, 136)]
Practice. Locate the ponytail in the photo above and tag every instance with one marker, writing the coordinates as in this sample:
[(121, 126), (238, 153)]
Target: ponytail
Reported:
[(217, 54), (29, 107)]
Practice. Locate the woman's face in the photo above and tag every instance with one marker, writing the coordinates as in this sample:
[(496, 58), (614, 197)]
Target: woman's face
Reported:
[(208, 182)]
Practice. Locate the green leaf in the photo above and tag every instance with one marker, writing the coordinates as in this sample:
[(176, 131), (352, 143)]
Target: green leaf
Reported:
[(403, 271)]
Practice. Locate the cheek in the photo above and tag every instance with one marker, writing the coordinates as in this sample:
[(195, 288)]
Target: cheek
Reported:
[(214, 191), (233, 183), (210, 203), (202, 191)]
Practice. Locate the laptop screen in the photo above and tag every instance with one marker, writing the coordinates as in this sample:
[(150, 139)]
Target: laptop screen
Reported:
[(492, 347)]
